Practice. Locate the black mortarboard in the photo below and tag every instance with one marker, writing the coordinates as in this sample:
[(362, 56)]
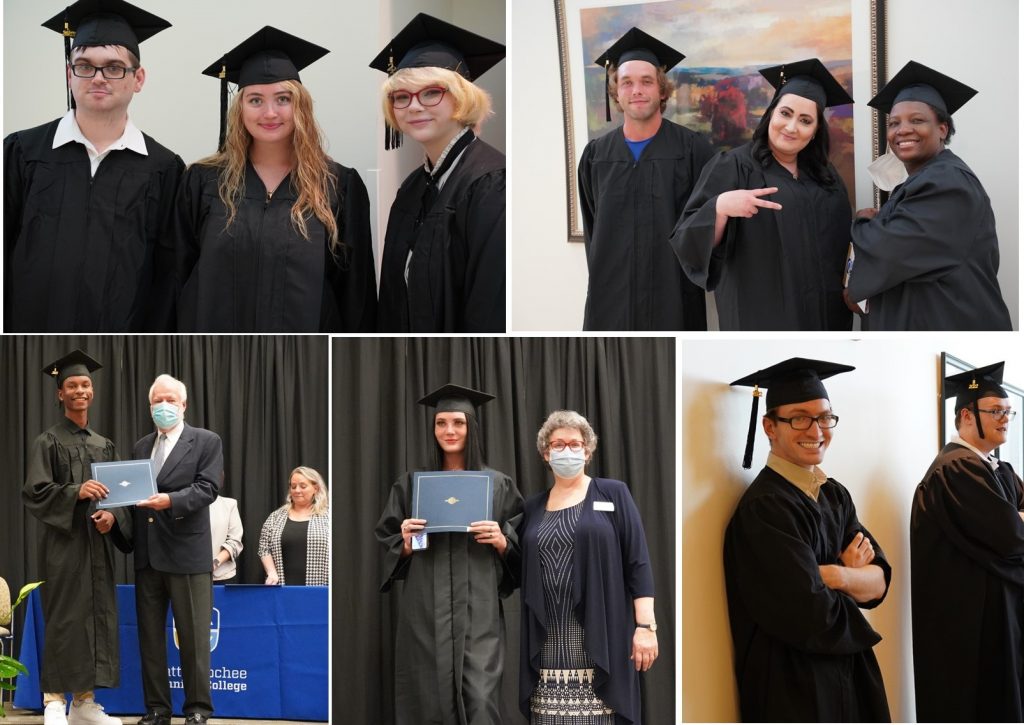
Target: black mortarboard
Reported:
[(427, 42), (808, 79), (635, 44), (104, 22), (916, 82), (267, 56), (796, 380), (455, 398), (74, 363), (970, 386)]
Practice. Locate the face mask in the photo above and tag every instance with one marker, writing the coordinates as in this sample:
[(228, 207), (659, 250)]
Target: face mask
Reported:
[(567, 464), (166, 415)]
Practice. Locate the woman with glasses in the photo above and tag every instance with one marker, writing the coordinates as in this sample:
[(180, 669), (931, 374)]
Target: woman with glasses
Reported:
[(767, 227), (584, 551), (443, 268), (271, 234)]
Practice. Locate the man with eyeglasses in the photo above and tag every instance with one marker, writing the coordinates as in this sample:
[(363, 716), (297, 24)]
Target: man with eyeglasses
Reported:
[(87, 198), (799, 567), (967, 565)]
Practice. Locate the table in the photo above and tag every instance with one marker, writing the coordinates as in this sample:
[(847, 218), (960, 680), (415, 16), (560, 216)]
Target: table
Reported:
[(268, 654)]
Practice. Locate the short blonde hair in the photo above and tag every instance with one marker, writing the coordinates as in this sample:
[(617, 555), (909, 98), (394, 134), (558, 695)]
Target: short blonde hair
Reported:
[(472, 103), (566, 419)]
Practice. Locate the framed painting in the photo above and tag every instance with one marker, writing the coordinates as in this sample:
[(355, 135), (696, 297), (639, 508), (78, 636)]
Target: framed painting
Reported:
[(718, 90), (1013, 450)]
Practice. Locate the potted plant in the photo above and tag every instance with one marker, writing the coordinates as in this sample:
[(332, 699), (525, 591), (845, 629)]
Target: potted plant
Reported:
[(10, 667)]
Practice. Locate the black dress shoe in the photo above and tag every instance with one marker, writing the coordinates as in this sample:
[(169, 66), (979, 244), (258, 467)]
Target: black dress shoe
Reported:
[(195, 718), (155, 718)]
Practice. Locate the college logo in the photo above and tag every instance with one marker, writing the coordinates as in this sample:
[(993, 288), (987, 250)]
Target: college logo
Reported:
[(214, 630)]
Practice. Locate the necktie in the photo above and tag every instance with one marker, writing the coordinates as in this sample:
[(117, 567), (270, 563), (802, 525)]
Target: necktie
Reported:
[(159, 454)]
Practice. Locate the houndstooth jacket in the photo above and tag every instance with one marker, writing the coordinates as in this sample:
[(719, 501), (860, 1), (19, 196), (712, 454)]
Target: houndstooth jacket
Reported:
[(318, 546)]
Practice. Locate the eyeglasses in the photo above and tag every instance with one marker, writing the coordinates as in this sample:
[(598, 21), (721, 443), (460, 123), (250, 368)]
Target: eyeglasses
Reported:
[(429, 96), (574, 446), (803, 422), (110, 72), (1000, 413)]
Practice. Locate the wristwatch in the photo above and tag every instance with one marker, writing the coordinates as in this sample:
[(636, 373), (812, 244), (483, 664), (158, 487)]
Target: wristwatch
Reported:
[(653, 626)]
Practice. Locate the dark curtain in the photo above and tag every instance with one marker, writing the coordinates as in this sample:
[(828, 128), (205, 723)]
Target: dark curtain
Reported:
[(624, 387), (265, 396)]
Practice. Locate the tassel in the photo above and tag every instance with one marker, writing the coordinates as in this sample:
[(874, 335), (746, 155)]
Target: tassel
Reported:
[(223, 107), (607, 99), (974, 405), (748, 453), (68, 35)]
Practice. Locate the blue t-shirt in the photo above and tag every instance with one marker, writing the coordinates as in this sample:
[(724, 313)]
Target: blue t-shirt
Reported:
[(637, 147)]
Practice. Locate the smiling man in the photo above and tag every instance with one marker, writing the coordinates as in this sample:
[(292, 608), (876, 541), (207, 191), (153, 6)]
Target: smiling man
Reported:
[(967, 565), (76, 557), (799, 567), (87, 197), (634, 182)]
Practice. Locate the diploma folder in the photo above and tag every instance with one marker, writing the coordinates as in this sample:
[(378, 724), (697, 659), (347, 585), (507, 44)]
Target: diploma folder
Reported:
[(452, 500), (129, 482)]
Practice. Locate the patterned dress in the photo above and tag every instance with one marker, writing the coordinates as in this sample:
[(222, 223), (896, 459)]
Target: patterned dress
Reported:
[(565, 693)]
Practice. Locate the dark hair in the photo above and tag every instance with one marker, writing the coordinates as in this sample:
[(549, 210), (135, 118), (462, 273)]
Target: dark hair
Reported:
[(813, 157), (474, 455), (945, 118)]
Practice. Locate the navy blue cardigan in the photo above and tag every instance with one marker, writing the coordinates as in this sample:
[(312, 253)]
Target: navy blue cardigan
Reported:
[(611, 568)]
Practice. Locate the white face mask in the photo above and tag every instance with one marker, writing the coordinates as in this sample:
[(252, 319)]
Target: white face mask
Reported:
[(567, 464)]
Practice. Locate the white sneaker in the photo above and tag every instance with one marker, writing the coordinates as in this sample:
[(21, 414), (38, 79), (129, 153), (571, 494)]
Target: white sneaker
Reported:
[(89, 712), (54, 714)]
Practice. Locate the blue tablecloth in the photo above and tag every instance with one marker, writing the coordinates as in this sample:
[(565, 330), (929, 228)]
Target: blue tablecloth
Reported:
[(268, 659)]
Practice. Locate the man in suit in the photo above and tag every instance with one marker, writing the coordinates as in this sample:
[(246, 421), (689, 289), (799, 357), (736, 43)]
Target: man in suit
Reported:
[(172, 553)]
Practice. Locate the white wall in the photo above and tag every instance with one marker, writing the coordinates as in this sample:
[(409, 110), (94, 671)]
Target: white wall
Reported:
[(179, 106), (887, 435), (978, 44)]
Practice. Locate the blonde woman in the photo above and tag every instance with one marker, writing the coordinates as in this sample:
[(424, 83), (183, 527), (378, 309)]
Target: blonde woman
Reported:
[(443, 268), (271, 234), (295, 541)]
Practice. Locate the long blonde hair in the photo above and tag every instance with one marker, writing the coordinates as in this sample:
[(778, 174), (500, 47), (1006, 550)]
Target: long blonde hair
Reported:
[(312, 179), (321, 500)]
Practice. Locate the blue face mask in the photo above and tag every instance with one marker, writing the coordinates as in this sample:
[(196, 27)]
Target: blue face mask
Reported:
[(166, 415), (567, 464)]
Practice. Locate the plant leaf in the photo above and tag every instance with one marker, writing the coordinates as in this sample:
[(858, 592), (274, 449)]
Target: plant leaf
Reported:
[(25, 592)]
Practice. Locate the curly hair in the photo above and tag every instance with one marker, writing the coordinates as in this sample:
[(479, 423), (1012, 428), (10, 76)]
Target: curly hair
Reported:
[(321, 500), (665, 86), (312, 179), (814, 156), (472, 103), (566, 419)]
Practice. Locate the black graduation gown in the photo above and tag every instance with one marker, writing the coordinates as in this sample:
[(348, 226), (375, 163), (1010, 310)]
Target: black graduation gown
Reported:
[(449, 644), (967, 579), (262, 275), (777, 270), (81, 252), (457, 270), (928, 260), (802, 650), (76, 562), (629, 208)]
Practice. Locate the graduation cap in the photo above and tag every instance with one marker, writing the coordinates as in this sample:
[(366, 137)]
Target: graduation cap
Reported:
[(971, 386), (635, 44), (427, 42), (267, 56), (451, 398), (104, 22), (808, 79), (74, 363), (796, 380), (916, 82)]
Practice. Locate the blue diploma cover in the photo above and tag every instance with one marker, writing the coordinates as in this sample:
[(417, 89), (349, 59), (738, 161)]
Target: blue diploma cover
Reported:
[(452, 500), (129, 482)]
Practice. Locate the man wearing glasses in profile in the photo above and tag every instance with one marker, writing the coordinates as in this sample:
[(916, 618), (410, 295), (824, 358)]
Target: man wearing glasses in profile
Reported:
[(967, 565), (87, 198), (799, 567)]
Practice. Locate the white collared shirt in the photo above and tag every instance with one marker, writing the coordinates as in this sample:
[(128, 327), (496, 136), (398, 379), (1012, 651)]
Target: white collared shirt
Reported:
[(172, 438), (989, 459), (68, 131)]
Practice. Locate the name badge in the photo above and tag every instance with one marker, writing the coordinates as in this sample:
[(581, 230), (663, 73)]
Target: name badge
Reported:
[(604, 506), (419, 542)]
